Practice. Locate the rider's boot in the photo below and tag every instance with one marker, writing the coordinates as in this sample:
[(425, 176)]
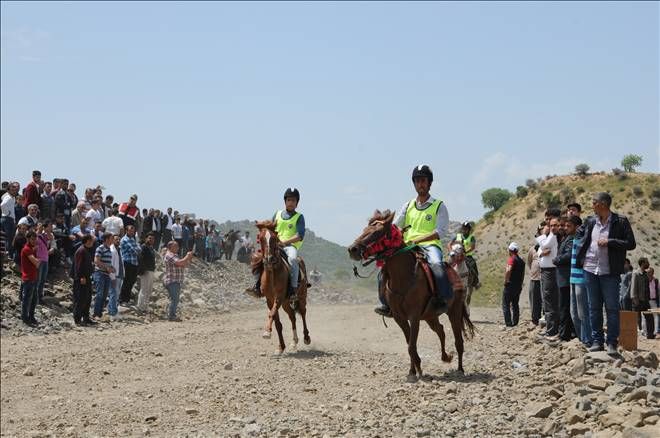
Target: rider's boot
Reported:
[(382, 309), (255, 290), (438, 303)]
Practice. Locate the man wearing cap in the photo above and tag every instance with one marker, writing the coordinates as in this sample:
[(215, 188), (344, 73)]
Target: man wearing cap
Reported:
[(604, 239), (128, 211), (425, 220), (513, 281), (469, 244)]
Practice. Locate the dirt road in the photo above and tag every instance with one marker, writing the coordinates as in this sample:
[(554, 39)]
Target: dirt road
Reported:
[(215, 376)]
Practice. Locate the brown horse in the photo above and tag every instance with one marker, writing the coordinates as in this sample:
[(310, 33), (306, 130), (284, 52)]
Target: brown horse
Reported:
[(407, 291), (274, 282), (229, 243)]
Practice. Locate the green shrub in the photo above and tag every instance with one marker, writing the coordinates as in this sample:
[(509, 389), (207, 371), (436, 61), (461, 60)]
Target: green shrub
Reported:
[(580, 189), (521, 191), (531, 184), (531, 213), (637, 191), (655, 193), (550, 200), (655, 203)]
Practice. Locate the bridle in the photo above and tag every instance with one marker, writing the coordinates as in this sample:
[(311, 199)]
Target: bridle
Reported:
[(270, 260)]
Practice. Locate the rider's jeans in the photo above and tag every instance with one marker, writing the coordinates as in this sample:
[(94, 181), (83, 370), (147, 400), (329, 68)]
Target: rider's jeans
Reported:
[(292, 254), (434, 257)]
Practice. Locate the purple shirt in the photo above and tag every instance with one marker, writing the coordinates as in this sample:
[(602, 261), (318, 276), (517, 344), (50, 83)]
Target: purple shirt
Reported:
[(42, 247), (596, 260)]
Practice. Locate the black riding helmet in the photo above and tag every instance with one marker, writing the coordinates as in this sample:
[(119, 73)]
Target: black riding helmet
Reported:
[(422, 171), (467, 225), (292, 193)]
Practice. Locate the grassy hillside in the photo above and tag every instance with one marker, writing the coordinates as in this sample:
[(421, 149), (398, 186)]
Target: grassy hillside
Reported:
[(636, 196)]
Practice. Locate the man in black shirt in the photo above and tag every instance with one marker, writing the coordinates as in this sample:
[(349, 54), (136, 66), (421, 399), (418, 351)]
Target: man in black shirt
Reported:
[(146, 268), (513, 280), (82, 281)]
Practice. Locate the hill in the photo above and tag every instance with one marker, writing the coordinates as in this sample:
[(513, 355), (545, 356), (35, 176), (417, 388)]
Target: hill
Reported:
[(635, 195)]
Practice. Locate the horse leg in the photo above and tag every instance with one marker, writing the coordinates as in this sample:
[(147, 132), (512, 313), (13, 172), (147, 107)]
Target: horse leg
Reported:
[(455, 317), (292, 317), (278, 327), (405, 328), (434, 324), (272, 311), (412, 347), (302, 309)]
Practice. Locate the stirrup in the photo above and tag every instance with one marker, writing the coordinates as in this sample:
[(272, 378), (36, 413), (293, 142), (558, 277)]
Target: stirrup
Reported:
[(383, 311)]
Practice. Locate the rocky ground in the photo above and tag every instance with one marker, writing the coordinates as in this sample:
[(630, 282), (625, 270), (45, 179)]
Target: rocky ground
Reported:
[(213, 375)]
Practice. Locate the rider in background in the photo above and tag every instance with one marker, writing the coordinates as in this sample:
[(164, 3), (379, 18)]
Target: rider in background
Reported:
[(290, 228), (469, 243), (425, 219)]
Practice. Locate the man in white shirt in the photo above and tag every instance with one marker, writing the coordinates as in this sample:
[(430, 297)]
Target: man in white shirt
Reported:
[(94, 214), (8, 206), (547, 251), (113, 223)]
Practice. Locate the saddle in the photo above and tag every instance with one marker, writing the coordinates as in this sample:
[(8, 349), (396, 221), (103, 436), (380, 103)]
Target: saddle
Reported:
[(421, 261)]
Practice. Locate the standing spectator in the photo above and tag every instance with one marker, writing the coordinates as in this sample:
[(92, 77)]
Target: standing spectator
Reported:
[(168, 222), (116, 278), (29, 277), (41, 250), (128, 211), (147, 267), (148, 223), (98, 232), (534, 283), (32, 191), (130, 252), (624, 287), (107, 206), (8, 218), (95, 213), (200, 237), (174, 268), (113, 224), (157, 227), (63, 237), (513, 281), (574, 209), (640, 294), (187, 236), (654, 295), (563, 264), (606, 238), (89, 197), (71, 191), (177, 233), (19, 211), (79, 213), (47, 210), (579, 297), (64, 202), (82, 282), (547, 252), (103, 269), (208, 246), (20, 239), (32, 217)]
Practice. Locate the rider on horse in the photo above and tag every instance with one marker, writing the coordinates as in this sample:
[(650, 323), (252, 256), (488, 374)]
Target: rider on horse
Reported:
[(290, 228), (469, 243), (424, 220)]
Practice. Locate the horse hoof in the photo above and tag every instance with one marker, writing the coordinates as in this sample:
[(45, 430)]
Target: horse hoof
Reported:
[(266, 335), (308, 341), (412, 378)]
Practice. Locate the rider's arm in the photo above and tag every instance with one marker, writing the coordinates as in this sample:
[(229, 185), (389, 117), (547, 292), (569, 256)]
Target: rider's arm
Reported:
[(427, 237), (400, 217), (471, 247)]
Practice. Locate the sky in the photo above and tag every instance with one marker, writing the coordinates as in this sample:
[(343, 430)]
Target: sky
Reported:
[(217, 108)]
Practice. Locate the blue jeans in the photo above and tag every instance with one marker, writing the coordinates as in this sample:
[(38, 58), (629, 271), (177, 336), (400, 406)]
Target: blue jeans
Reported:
[(603, 290), (113, 294), (9, 227), (43, 273), (28, 300), (102, 282), (292, 255), (434, 257), (174, 289), (580, 313)]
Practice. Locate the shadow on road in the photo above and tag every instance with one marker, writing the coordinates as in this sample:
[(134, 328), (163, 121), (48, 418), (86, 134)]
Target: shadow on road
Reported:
[(455, 376), (308, 354)]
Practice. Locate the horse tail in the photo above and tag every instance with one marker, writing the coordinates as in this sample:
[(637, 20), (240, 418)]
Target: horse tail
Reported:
[(466, 324)]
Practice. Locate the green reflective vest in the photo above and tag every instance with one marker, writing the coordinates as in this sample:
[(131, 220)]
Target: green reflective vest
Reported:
[(465, 241), (422, 222), (286, 228)]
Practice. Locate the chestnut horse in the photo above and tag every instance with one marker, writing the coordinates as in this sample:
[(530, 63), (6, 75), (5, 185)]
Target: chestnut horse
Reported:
[(274, 283), (407, 291)]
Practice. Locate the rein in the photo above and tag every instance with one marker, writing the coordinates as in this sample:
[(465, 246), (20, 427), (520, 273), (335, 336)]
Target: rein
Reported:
[(381, 249)]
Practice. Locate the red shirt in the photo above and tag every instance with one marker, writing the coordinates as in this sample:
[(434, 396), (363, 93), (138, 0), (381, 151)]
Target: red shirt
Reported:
[(28, 270), (31, 194)]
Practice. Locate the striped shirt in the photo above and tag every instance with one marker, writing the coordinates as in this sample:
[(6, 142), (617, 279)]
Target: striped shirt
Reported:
[(577, 274), (105, 254), (129, 250)]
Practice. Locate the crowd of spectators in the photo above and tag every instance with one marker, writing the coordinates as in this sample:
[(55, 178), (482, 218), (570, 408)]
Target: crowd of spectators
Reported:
[(104, 246)]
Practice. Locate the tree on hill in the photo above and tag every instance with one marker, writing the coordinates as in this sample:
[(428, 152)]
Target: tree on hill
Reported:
[(582, 169), (494, 198), (521, 191), (630, 162)]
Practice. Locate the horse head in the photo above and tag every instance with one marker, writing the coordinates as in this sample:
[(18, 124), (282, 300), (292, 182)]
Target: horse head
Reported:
[(269, 242), (378, 227)]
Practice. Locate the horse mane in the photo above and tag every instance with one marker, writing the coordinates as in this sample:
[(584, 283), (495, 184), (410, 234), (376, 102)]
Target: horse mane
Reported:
[(382, 216), (267, 224)]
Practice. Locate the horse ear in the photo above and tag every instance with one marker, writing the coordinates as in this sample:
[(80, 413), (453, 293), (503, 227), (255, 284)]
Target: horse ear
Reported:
[(390, 217)]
